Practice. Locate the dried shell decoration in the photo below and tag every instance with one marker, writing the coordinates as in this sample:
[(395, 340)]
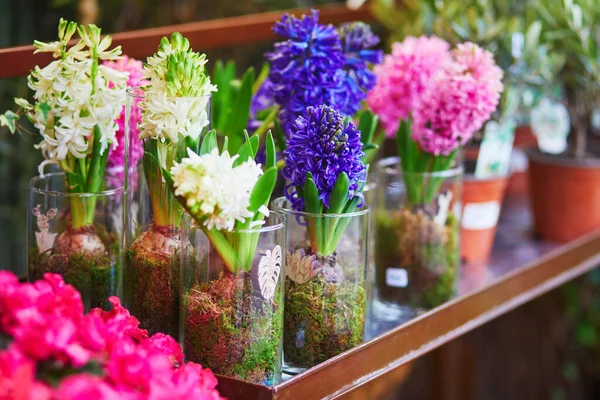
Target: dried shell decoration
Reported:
[(300, 267), (269, 268)]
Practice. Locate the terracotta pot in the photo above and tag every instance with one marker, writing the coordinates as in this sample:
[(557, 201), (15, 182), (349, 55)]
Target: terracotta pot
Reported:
[(482, 202), (518, 183), (565, 196)]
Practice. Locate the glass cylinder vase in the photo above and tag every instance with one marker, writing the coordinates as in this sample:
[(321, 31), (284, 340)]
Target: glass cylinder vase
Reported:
[(152, 264), (76, 235), (325, 291), (232, 321), (417, 233)]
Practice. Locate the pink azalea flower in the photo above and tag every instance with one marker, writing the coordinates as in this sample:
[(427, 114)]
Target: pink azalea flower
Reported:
[(46, 323), (82, 387), (116, 158), (165, 344), (17, 377), (120, 323), (194, 381), (92, 333), (129, 368), (403, 78)]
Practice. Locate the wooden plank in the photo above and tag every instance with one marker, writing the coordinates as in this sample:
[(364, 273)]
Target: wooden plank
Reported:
[(234, 31)]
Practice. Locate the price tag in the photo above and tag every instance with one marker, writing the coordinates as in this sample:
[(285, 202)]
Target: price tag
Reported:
[(396, 277), (481, 216), (551, 124)]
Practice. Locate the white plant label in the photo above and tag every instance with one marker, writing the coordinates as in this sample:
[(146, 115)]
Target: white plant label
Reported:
[(43, 238), (496, 149), (269, 268), (480, 216), (551, 124), (396, 277)]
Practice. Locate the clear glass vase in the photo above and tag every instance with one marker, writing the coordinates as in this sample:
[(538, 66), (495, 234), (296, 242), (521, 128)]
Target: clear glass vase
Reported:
[(152, 271), (325, 294), (76, 235), (417, 243), (230, 322)]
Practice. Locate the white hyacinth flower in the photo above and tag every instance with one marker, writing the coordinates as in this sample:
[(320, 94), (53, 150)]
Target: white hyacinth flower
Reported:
[(69, 101), (214, 189)]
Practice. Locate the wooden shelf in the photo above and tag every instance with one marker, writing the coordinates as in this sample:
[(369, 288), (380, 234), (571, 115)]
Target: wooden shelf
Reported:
[(520, 270), (203, 35)]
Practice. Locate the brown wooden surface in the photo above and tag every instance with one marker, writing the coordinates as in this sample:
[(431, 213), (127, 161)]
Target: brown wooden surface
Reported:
[(18, 61), (522, 269)]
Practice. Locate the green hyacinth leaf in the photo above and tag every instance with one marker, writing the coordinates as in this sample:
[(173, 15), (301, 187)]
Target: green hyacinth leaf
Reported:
[(261, 194), (240, 110), (270, 150), (367, 125), (339, 194), (248, 150), (209, 143), (312, 204)]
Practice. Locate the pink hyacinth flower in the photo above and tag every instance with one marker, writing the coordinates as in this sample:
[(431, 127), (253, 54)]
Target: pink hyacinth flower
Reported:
[(403, 78), (460, 98), (116, 158)]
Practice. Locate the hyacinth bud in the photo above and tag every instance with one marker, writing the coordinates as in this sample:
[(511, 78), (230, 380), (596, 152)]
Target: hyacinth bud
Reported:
[(164, 42), (62, 26)]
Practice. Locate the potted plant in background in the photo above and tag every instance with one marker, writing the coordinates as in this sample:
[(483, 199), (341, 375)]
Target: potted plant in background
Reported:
[(328, 238), (75, 221), (172, 107), (565, 194), (435, 99), (232, 262)]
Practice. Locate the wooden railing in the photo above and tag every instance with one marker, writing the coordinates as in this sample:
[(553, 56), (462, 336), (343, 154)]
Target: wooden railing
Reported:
[(234, 31)]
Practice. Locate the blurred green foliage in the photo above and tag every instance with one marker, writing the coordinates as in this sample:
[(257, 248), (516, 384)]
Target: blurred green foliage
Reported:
[(572, 28)]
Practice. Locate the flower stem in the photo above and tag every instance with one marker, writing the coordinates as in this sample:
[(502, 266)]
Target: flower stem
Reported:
[(224, 248)]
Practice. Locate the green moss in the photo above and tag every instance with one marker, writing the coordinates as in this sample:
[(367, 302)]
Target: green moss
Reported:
[(96, 275), (233, 331), (322, 319), (428, 253), (91, 274), (153, 291)]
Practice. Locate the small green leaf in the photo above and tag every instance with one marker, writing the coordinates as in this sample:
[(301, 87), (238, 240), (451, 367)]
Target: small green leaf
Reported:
[(339, 194), (270, 150), (279, 136), (248, 149), (367, 125), (370, 146), (262, 75), (240, 110), (312, 204), (9, 119), (225, 144), (532, 37), (261, 194), (209, 143), (185, 142)]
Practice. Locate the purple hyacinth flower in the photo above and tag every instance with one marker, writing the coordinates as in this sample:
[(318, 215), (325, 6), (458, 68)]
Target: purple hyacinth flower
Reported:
[(321, 143)]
